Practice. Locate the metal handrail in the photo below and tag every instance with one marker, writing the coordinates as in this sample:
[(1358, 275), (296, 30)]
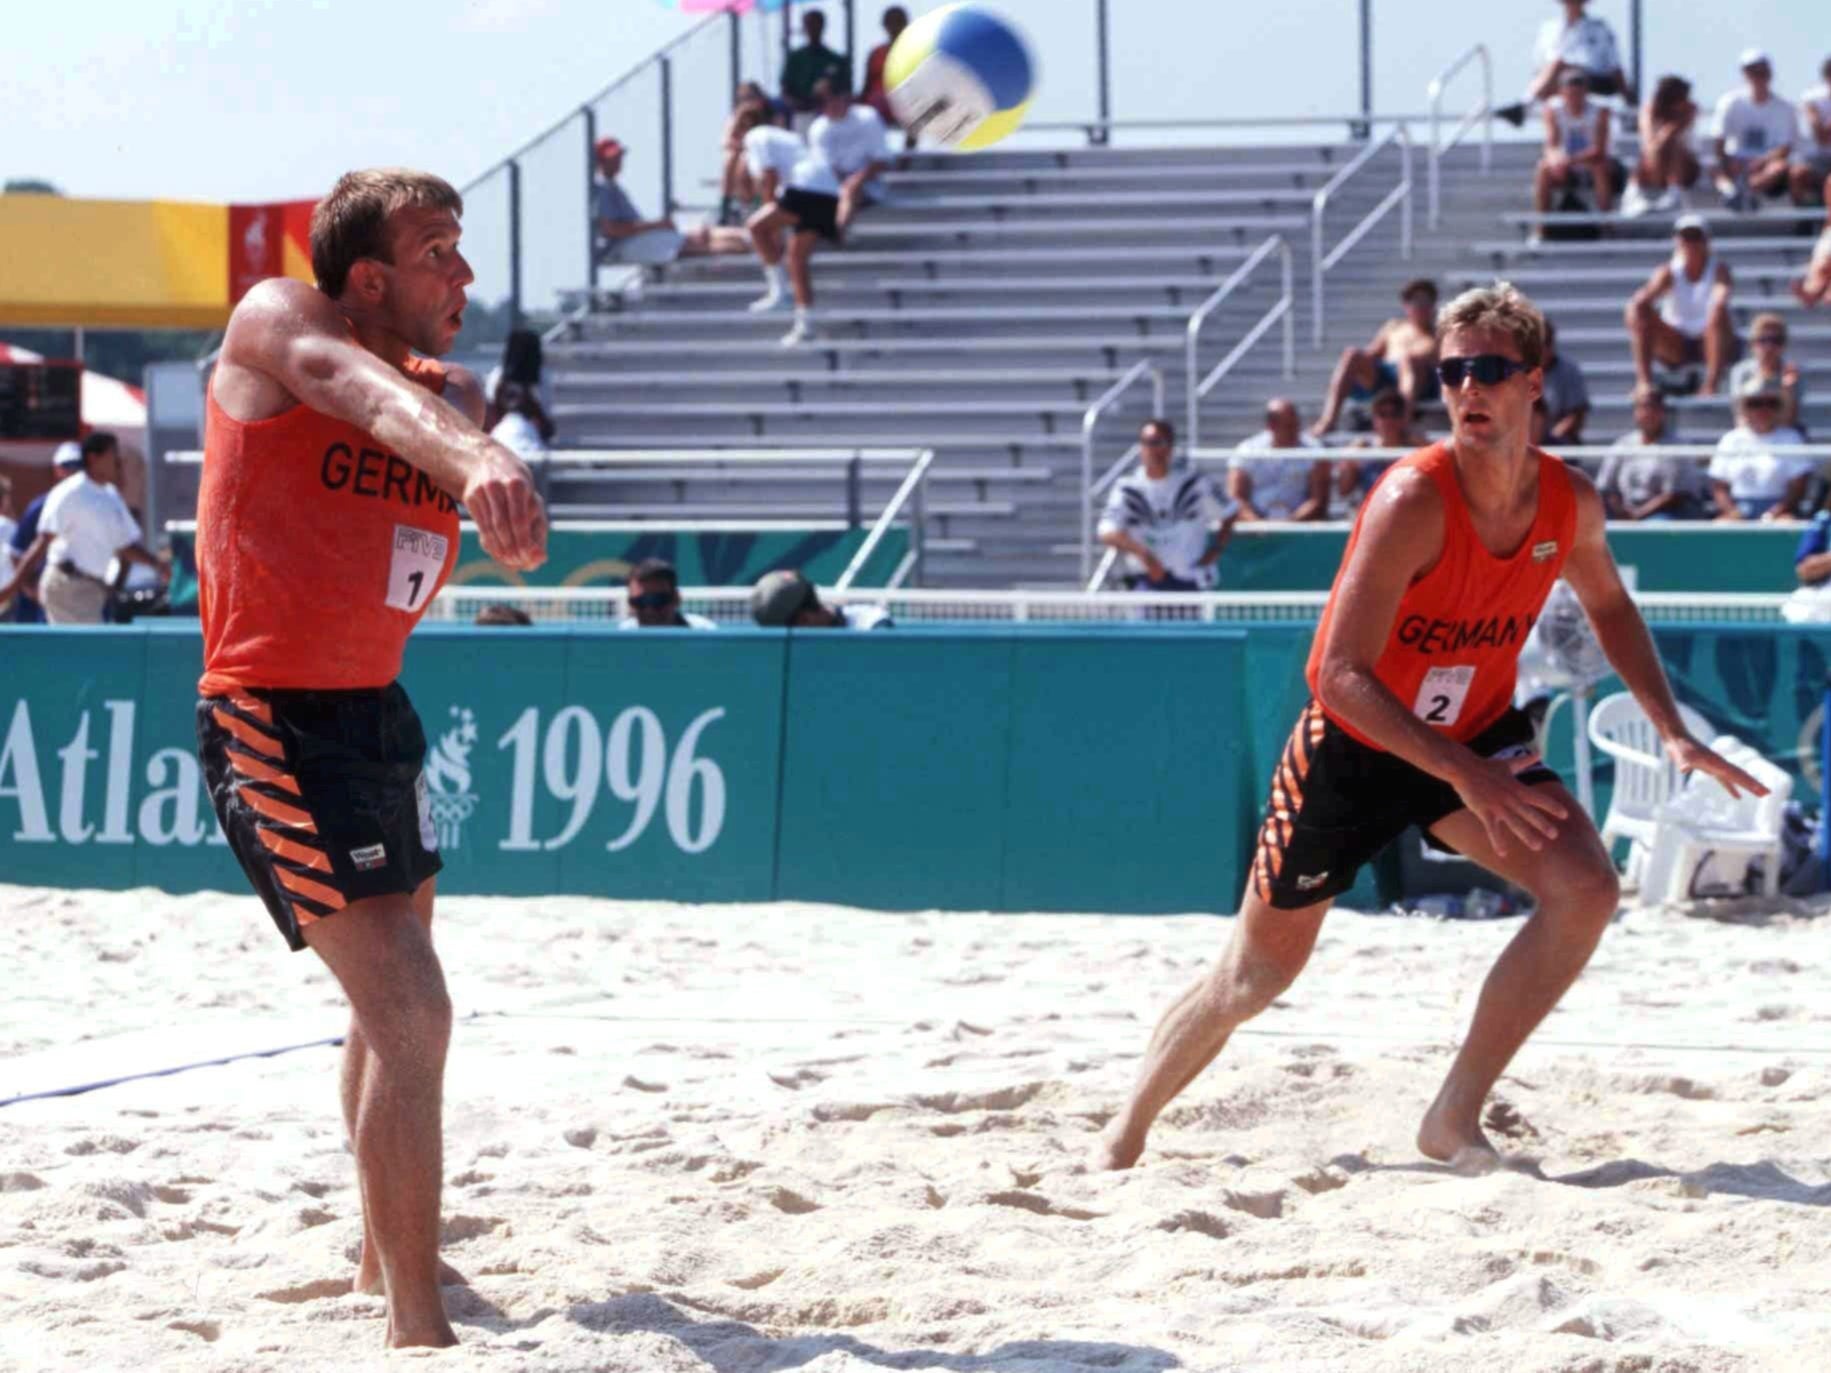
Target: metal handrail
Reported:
[(1097, 582), (1094, 128), (914, 481), (1483, 112), (1089, 422), (1400, 194), (1284, 309)]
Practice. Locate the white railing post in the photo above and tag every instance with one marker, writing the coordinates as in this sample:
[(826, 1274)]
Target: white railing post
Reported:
[(1320, 264), (1483, 112), (1283, 308), (1089, 422)]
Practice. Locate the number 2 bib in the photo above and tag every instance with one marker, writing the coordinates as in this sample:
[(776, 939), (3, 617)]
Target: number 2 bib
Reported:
[(1441, 694)]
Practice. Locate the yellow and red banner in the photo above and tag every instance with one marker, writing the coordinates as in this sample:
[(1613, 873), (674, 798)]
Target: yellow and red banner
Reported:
[(157, 264)]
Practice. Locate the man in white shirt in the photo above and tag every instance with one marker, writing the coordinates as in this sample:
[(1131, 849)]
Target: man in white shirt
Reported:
[(8, 526), (85, 526), (654, 599), (1637, 486), (1755, 130), (1170, 522), (1573, 41), (854, 142), (1279, 488), (1752, 477), (786, 598), (1812, 157)]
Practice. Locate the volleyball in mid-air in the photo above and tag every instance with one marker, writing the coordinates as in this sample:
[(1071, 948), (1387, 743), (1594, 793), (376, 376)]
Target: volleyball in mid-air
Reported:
[(960, 77)]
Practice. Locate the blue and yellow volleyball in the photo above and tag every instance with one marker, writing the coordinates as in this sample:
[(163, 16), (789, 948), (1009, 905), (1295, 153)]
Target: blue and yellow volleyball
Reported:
[(960, 77)]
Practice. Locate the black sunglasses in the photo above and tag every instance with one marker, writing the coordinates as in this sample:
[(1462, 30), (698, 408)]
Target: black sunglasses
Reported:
[(1488, 369), (654, 600)]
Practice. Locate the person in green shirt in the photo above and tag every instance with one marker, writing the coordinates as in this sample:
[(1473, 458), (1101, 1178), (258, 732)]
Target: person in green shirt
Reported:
[(812, 62)]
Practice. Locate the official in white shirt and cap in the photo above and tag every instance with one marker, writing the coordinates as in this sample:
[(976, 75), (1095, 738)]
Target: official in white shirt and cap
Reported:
[(84, 527)]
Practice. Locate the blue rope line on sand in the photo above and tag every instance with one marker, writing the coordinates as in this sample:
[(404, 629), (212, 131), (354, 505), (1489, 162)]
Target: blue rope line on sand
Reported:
[(96, 1086)]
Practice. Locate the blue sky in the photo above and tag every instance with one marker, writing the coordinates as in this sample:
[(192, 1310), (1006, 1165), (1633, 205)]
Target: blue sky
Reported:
[(240, 99)]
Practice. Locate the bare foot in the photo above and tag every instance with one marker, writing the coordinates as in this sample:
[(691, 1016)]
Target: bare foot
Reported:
[(369, 1280), (1114, 1152), (1461, 1144)]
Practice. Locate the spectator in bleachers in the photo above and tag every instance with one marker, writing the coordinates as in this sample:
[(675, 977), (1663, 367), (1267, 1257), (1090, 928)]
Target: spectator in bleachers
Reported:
[(521, 365), (1579, 143), (1680, 318), (807, 206), (66, 460), (1812, 158), (1755, 132), (654, 599), (1354, 477), (896, 19), (84, 528), (1402, 357), (1668, 164), (626, 238), (737, 192), (1167, 519), (1767, 363), (1565, 392), (1752, 477), (1811, 288), (8, 527), (1810, 603), (786, 598), (500, 616), (523, 427), (1573, 42), (1268, 488), (807, 66), (1636, 486), (852, 140)]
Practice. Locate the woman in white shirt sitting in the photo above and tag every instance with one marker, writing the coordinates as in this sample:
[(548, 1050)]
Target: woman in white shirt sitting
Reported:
[(1752, 477)]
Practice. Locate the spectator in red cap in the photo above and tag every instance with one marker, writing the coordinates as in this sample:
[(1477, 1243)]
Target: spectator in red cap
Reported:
[(625, 237)]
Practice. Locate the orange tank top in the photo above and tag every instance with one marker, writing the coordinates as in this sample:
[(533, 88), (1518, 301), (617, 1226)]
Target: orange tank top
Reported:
[(1454, 650), (317, 550)]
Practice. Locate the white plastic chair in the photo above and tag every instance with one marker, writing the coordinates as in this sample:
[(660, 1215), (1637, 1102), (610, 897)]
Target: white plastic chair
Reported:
[(1645, 779), (1705, 819)]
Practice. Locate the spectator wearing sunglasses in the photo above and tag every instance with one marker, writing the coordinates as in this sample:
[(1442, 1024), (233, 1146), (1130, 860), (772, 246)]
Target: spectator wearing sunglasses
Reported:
[(1768, 365), (1755, 131), (1169, 521), (1399, 358), (1275, 488), (1354, 478), (1579, 143), (654, 599), (1680, 318), (1637, 485), (1752, 477)]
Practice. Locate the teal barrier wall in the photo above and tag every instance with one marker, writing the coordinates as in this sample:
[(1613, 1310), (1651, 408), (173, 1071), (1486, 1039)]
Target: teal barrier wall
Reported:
[(603, 557), (1113, 768), (1665, 557)]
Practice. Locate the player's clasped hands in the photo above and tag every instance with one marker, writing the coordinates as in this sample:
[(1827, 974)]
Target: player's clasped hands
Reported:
[(1509, 810), (511, 518)]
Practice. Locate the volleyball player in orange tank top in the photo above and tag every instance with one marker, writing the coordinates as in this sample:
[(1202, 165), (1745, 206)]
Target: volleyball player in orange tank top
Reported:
[(334, 461), (1411, 723)]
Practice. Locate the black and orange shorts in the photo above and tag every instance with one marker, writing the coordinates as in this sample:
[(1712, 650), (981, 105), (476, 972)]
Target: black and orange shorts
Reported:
[(320, 795), (1336, 802)]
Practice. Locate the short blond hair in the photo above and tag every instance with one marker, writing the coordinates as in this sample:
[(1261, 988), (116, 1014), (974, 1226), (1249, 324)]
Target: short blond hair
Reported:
[(1504, 309), (352, 221), (1767, 320)]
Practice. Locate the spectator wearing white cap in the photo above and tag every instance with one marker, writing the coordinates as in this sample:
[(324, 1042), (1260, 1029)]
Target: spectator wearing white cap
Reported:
[(1812, 158), (1681, 316), (1573, 41), (1752, 476), (84, 528), (66, 458), (1755, 130)]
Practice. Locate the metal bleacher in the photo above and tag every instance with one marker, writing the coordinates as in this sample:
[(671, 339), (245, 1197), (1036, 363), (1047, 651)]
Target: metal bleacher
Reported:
[(992, 298)]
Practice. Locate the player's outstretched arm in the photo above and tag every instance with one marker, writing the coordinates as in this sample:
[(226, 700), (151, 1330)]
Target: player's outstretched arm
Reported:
[(1623, 635), (1401, 536), (293, 334)]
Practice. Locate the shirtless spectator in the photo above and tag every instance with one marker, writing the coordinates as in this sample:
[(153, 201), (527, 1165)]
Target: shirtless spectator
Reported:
[(1812, 158), (1354, 477), (1752, 476), (1565, 393), (1668, 164), (1574, 41), (1681, 316), (1638, 486), (1402, 358), (1579, 137), (1755, 131), (1769, 367), (1810, 289), (1270, 488)]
